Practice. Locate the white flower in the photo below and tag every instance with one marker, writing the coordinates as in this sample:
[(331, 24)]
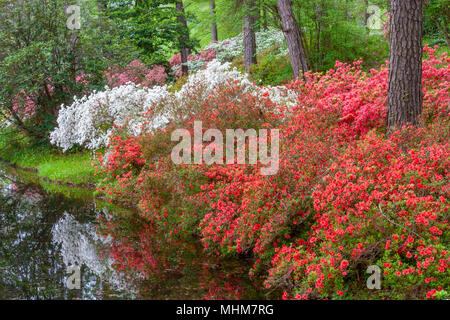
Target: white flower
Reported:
[(229, 49), (91, 120)]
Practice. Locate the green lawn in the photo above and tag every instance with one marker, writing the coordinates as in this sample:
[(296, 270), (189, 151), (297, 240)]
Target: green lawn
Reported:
[(75, 167)]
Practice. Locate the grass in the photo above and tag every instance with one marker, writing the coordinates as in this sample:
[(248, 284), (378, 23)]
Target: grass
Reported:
[(75, 168), (69, 168)]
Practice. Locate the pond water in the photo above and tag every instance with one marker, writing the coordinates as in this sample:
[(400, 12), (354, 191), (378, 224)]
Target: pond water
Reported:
[(44, 231)]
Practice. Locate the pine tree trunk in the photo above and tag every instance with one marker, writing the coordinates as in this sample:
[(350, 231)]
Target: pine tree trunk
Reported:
[(249, 34), (212, 6), (293, 38), (405, 97), (184, 39)]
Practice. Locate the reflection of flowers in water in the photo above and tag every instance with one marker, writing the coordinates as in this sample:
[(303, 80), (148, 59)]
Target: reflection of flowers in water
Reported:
[(176, 263), (80, 245), (29, 194), (32, 196)]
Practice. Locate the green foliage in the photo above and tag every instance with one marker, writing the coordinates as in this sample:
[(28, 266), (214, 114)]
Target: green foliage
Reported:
[(436, 18), (349, 43), (335, 30), (152, 26), (331, 29), (228, 18), (42, 58), (272, 69), (178, 84)]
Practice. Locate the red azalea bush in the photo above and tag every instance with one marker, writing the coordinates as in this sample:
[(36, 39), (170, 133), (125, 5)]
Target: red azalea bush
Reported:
[(436, 81), (124, 155), (175, 60), (378, 205), (119, 167), (344, 198), (173, 194)]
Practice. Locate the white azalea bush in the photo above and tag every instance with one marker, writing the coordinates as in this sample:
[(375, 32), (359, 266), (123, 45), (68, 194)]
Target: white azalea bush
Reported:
[(90, 121), (229, 49), (204, 82), (208, 79)]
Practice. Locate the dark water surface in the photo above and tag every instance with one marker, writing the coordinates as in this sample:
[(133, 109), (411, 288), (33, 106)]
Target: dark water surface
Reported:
[(46, 229)]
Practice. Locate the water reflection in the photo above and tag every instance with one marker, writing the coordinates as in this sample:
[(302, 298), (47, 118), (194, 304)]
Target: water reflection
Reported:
[(81, 246), (120, 256), (176, 269)]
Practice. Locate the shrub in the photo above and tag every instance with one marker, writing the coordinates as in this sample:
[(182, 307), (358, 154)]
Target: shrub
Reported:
[(272, 70), (90, 121), (137, 73), (229, 49), (194, 63), (377, 206), (344, 197)]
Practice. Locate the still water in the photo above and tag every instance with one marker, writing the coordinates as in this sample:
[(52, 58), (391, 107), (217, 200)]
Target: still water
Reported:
[(46, 229)]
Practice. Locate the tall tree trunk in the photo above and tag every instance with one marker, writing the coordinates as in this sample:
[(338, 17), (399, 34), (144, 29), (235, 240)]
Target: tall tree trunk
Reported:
[(249, 34), (212, 6), (293, 38), (184, 39), (405, 97)]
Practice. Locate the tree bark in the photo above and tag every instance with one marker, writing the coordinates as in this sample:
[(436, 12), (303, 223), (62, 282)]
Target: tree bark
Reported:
[(249, 34), (212, 6), (405, 96), (293, 38), (184, 39)]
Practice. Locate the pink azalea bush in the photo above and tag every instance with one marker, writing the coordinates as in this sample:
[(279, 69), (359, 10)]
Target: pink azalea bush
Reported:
[(195, 62), (25, 104), (137, 73)]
